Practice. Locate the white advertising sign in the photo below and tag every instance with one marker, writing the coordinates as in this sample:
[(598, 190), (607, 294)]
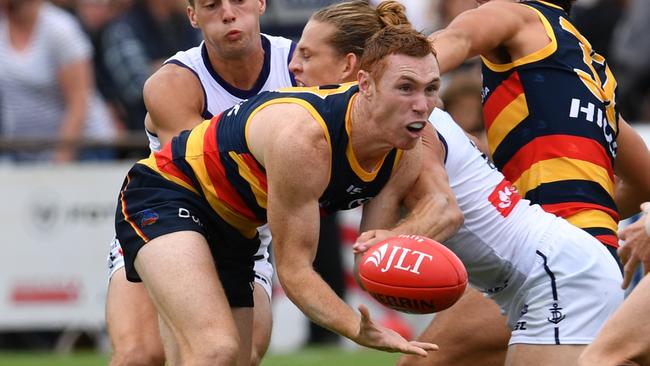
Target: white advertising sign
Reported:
[(57, 222)]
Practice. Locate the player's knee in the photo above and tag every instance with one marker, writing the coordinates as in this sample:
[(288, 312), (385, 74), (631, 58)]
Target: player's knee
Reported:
[(256, 358), (224, 352), (136, 356)]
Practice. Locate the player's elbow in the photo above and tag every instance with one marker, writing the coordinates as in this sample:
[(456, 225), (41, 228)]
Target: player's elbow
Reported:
[(290, 278), (455, 218)]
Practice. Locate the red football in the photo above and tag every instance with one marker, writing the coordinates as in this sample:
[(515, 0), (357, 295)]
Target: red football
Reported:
[(413, 274)]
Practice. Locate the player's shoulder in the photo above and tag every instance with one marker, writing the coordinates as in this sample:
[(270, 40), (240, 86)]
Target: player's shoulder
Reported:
[(171, 78)]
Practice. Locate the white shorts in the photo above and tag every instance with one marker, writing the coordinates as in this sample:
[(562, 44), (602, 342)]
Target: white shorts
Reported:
[(573, 287), (263, 267)]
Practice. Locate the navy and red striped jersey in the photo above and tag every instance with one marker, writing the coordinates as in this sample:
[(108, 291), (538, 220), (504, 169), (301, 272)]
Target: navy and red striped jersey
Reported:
[(551, 123), (213, 159)]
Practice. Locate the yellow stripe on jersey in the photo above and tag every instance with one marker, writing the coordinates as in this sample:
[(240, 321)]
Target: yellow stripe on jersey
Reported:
[(509, 118), (151, 163), (593, 218), (317, 90), (559, 169), (541, 54), (292, 100), (551, 5), (194, 156), (261, 196), (398, 157)]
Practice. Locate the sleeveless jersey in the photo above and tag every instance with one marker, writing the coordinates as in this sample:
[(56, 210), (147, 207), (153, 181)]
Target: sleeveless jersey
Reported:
[(501, 231), (551, 124), (218, 95), (213, 159)]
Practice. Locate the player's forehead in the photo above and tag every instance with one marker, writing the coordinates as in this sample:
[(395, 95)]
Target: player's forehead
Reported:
[(422, 70), (315, 34)]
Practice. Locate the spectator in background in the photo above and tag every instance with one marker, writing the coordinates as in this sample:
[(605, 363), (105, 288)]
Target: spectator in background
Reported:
[(631, 58), (46, 82), (137, 43), (95, 15)]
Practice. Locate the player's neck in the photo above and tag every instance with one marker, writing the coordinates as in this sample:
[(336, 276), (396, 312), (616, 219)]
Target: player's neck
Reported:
[(369, 148), (241, 72)]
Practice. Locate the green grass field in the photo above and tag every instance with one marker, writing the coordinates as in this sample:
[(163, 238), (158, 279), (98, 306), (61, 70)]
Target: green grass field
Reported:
[(307, 357)]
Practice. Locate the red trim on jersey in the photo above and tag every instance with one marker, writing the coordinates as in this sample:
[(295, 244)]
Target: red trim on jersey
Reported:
[(557, 146), (501, 97), (610, 240), (568, 209), (255, 169), (165, 163), (217, 173)]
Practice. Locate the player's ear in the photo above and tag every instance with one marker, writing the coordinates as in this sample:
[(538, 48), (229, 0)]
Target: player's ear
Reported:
[(366, 83), (262, 6), (191, 15), (351, 66)]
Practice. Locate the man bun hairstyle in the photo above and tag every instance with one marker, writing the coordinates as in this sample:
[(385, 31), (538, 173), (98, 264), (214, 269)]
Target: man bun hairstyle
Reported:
[(356, 21)]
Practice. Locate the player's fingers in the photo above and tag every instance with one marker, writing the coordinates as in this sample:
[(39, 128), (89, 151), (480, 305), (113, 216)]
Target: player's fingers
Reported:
[(365, 314), (413, 350), (645, 207), (623, 253), (359, 248), (628, 271), (425, 345)]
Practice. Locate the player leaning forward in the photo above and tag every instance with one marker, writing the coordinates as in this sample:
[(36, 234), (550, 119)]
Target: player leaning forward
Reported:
[(187, 216), (553, 282)]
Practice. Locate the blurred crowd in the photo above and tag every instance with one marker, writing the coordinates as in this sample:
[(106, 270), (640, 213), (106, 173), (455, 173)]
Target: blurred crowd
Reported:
[(72, 71)]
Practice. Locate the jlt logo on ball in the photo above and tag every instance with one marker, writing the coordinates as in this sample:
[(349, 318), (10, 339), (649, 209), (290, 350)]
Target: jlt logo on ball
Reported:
[(400, 258)]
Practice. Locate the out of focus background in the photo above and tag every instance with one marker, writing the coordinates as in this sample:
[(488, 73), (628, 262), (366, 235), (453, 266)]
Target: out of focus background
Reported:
[(71, 124)]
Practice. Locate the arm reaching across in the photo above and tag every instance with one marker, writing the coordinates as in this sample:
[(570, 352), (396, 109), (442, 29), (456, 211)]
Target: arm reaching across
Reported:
[(298, 167), (434, 212)]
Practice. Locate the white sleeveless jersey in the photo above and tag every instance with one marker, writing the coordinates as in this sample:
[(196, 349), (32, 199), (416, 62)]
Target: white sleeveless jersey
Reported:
[(218, 94), (502, 231)]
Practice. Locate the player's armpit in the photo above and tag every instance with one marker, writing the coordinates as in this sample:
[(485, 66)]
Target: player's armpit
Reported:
[(174, 99)]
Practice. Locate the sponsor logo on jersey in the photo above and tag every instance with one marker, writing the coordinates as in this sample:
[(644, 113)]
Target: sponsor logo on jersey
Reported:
[(504, 198), (556, 314), (147, 217)]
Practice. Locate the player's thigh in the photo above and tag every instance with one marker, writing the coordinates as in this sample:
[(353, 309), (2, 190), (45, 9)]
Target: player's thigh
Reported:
[(543, 355), (179, 272), (262, 324), (471, 332), (131, 317), (625, 334)]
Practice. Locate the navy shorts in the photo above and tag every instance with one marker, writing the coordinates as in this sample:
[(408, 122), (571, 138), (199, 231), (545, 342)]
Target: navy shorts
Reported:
[(156, 206)]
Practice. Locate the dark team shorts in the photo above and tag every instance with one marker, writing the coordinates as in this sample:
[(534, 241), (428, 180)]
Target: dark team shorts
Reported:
[(157, 207)]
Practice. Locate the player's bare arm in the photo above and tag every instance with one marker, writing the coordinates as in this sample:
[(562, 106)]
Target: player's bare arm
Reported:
[(433, 210), (498, 30), (632, 167), (297, 166), (171, 111)]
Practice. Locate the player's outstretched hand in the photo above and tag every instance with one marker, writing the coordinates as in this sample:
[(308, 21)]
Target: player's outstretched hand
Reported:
[(636, 248), (375, 336), (369, 238)]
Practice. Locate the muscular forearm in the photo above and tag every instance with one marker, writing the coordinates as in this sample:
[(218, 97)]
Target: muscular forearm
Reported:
[(317, 300), (434, 216)]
